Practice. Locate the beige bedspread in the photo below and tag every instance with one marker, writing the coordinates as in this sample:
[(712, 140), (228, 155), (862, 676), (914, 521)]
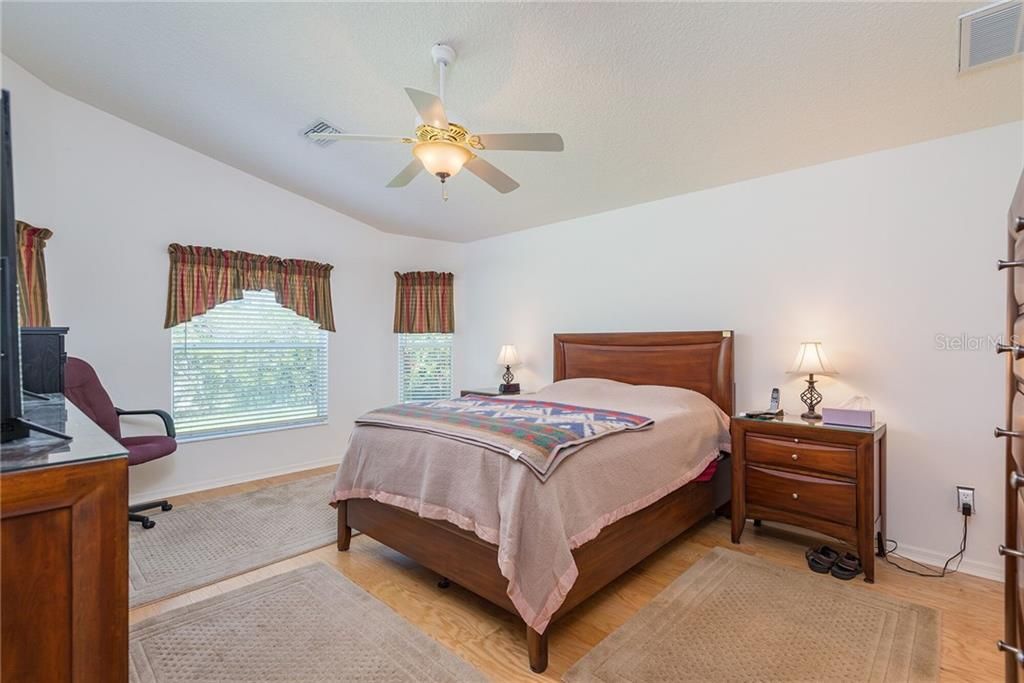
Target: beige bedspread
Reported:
[(537, 524)]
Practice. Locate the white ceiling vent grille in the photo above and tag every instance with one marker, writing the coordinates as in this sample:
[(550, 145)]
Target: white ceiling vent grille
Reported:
[(320, 126), (991, 33)]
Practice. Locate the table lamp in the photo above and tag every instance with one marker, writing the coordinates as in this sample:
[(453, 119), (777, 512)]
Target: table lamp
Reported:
[(508, 357), (811, 361)]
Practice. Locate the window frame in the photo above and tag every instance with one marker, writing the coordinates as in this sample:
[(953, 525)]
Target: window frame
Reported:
[(401, 366), (321, 419)]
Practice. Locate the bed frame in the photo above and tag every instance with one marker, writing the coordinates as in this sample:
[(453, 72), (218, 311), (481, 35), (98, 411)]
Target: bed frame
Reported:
[(701, 361)]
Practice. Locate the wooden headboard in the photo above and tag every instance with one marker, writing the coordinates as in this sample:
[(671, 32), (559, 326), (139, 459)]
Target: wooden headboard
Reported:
[(700, 361)]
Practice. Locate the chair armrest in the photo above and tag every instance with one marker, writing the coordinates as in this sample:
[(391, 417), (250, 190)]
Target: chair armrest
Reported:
[(162, 414)]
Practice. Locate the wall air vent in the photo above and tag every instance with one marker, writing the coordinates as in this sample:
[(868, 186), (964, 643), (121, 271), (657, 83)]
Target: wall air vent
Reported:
[(991, 33), (320, 126)]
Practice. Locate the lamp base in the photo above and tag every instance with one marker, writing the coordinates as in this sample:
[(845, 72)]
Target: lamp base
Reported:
[(508, 388), (811, 398)]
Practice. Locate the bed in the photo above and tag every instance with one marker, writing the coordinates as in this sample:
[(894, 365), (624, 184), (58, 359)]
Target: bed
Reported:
[(699, 361)]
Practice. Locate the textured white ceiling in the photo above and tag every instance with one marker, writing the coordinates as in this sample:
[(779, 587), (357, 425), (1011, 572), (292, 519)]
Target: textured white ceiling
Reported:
[(653, 100)]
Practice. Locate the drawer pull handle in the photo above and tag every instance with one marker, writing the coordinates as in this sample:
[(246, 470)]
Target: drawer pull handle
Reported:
[(1001, 264), (1016, 481), (1020, 223), (1012, 552), (1006, 432), (794, 456), (1018, 351), (1017, 653), (796, 496)]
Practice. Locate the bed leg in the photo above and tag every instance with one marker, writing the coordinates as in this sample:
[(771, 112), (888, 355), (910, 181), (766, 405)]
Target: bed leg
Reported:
[(537, 645), (344, 530)]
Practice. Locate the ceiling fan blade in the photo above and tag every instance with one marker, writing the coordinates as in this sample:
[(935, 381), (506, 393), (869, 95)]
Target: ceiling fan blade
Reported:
[(527, 142), (429, 107), (407, 174), (350, 137), (491, 175)]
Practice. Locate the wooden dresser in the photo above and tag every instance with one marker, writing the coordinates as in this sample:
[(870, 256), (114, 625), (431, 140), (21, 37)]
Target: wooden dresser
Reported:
[(64, 557), (1013, 431), (827, 479)]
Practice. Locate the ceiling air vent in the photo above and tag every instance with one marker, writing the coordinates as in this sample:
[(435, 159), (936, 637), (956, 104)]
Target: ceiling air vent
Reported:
[(991, 33), (320, 126)]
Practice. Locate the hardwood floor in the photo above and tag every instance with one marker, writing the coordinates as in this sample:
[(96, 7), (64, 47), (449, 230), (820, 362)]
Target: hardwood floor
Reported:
[(492, 640)]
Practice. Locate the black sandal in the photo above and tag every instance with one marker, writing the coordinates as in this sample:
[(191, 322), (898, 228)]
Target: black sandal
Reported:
[(847, 567), (821, 559)]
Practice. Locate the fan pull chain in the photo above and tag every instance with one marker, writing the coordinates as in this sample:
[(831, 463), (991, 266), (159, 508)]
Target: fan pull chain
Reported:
[(444, 188)]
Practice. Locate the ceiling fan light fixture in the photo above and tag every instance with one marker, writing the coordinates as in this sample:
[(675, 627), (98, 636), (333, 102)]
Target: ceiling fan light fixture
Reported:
[(440, 158), (442, 146)]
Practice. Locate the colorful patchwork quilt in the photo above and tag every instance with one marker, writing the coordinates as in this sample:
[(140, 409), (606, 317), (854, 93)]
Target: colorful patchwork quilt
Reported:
[(534, 433)]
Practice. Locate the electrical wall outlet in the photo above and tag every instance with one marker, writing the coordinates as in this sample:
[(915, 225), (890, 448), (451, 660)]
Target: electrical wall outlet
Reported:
[(965, 496)]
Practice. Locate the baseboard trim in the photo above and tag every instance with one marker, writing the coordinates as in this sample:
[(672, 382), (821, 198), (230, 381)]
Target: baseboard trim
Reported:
[(192, 487), (935, 560), (986, 570)]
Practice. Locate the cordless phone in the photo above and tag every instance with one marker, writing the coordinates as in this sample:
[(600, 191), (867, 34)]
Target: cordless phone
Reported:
[(773, 408)]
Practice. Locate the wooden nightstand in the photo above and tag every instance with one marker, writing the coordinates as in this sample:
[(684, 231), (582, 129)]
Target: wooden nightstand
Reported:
[(484, 392), (819, 477)]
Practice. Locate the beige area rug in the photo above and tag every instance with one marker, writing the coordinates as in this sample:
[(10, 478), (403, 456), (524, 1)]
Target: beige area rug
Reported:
[(197, 544), (310, 624), (731, 617)]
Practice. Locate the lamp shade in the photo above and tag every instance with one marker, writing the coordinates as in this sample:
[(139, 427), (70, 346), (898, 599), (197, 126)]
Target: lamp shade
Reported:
[(811, 360), (440, 157), (508, 355)]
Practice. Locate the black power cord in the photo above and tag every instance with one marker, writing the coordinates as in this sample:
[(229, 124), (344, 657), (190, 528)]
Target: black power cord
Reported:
[(930, 573)]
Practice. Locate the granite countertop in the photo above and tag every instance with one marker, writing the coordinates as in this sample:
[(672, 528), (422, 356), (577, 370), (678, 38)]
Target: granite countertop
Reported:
[(90, 442)]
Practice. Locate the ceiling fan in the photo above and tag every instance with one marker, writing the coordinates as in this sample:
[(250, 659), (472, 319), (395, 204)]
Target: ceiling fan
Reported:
[(444, 147)]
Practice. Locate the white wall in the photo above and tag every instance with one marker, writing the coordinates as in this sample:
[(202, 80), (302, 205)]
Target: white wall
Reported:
[(116, 196), (874, 255)]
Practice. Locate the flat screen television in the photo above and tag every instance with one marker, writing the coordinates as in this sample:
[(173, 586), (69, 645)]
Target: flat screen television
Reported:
[(10, 338), (14, 425)]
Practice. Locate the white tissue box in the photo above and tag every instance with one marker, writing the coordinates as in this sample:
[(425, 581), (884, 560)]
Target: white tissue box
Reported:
[(848, 417)]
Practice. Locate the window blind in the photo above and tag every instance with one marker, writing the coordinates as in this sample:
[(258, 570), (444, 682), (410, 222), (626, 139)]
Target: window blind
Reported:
[(248, 365), (424, 367)]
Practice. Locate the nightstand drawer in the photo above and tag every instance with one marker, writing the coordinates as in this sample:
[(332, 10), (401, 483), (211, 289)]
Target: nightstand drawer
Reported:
[(804, 455), (835, 501)]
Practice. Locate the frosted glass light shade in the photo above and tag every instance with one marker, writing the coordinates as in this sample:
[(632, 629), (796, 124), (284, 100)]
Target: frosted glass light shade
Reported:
[(440, 157), (508, 355), (811, 360)]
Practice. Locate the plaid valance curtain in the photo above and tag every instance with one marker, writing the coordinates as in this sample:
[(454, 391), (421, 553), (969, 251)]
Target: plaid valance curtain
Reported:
[(202, 277), (34, 308), (424, 302)]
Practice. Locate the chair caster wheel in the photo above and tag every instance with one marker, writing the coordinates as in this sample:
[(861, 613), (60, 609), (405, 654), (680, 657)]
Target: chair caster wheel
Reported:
[(444, 583), (148, 524), (166, 507)]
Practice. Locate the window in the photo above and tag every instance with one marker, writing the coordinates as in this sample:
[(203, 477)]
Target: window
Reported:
[(248, 365), (424, 367)]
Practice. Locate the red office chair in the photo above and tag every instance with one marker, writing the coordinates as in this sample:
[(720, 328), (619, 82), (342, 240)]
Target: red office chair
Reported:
[(82, 387)]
